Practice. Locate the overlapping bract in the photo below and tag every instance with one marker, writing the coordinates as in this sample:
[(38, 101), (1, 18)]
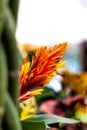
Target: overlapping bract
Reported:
[(41, 70)]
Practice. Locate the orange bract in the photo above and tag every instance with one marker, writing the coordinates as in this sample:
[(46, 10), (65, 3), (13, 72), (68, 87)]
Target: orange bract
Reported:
[(42, 68), (28, 94)]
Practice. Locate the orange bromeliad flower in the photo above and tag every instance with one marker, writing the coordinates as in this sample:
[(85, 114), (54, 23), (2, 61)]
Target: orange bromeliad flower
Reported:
[(34, 75)]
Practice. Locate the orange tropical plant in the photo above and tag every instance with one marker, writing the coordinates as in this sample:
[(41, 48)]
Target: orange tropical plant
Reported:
[(38, 73)]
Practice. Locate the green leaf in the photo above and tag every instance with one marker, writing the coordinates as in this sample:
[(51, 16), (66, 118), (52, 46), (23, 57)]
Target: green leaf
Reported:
[(50, 119), (33, 125), (48, 93), (41, 122)]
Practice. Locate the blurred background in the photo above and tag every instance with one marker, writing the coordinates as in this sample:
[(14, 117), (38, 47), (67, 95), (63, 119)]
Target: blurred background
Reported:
[(46, 22)]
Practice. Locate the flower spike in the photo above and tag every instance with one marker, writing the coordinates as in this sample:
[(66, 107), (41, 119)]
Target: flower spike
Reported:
[(42, 68)]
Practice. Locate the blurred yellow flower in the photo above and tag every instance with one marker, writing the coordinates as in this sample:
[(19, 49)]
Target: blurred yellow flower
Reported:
[(77, 82), (28, 108), (81, 112), (27, 49)]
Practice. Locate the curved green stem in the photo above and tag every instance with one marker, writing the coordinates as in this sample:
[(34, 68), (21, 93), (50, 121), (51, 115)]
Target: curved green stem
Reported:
[(3, 81), (14, 4), (12, 121), (9, 41), (3, 4)]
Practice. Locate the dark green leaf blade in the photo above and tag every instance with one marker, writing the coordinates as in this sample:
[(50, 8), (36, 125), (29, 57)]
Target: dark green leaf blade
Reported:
[(33, 125)]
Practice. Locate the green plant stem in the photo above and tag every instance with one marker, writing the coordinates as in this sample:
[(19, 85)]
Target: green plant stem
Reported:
[(3, 4), (3, 81), (14, 4), (12, 53), (11, 121)]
